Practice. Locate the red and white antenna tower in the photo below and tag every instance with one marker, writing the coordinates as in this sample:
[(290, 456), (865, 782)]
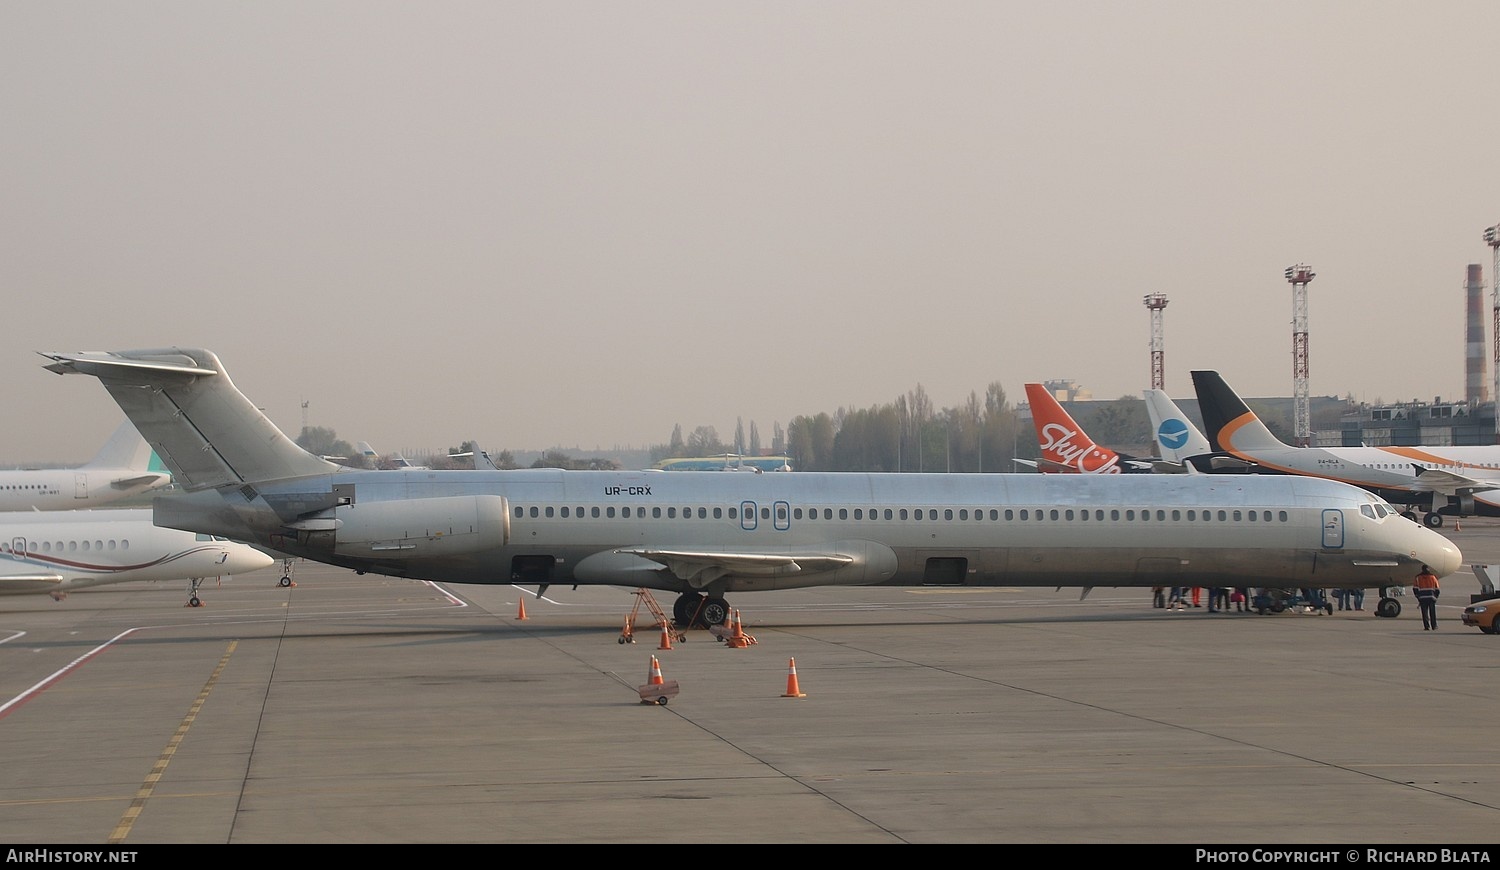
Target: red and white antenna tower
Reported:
[(1156, 302), (1492, 238), (1299, 276)]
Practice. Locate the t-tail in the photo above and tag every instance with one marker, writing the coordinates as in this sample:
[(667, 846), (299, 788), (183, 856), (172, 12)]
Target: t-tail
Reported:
[(200, 425), (1065, 446), (1231, 426)]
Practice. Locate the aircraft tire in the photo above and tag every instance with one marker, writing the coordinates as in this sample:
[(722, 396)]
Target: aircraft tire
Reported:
[(286, 581), (1388, 608), (715, 612), (1411, 515), (194, 602), (686, 607), (1433, 520)]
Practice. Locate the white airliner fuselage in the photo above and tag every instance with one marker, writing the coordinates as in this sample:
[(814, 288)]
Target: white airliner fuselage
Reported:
[(1464, 479), (119, 471), (58, 552), (704, 535)]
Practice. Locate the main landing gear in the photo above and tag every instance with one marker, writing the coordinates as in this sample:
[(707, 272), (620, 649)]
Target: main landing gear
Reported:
[(696, 610), (1431, 519)]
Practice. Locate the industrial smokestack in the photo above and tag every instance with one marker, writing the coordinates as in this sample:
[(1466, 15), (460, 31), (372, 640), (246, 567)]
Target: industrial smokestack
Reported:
[(1476, 386)]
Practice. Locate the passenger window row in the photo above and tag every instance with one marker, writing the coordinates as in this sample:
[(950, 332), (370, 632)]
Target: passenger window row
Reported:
[(1144, 515), (68, 546)]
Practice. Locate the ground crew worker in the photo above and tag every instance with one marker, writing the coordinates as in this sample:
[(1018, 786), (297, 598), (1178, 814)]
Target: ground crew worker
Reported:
[(1427, 592)]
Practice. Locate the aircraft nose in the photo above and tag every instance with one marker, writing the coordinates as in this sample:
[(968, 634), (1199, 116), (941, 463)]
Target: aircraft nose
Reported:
[(1440, 554), (243, 560)]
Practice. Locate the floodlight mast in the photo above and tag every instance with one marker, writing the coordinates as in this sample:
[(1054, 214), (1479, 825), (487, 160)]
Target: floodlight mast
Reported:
[(1299, 276), (1156, 302)]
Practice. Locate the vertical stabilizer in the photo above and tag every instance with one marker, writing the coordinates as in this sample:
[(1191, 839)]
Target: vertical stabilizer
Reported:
[(124, 449), (1177, 439), (1229, 423), (189, 411), (1064, 444)]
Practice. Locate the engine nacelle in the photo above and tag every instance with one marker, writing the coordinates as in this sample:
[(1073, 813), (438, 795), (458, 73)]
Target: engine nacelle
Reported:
[(426, 527)]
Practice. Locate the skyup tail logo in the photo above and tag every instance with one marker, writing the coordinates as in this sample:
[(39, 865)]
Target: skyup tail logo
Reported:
[(1058, 446)]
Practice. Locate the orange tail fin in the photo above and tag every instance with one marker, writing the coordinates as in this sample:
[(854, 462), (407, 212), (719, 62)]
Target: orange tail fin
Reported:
[(1065, 446)]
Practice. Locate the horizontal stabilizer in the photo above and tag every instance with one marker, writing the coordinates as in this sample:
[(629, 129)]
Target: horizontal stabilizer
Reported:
[(141, 480)]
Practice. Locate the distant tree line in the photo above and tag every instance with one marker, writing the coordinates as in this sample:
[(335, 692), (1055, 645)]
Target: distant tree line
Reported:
[(909, 434)]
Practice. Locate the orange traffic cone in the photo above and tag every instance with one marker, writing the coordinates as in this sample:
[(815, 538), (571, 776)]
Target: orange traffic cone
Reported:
[(738, 639), (792, 690), (666, 638), (521, 609), (657, 690)]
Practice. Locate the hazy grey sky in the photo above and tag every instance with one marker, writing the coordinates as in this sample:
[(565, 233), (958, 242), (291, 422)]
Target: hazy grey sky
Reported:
[(539, 224)]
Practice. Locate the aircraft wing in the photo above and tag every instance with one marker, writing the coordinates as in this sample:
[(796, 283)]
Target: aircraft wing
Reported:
[(1215, 463), (705, 565), (32, 581), (1448, 483)]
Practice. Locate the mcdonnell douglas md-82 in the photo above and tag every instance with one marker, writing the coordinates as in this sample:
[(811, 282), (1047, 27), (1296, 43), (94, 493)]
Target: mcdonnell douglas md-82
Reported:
[(706, 535)]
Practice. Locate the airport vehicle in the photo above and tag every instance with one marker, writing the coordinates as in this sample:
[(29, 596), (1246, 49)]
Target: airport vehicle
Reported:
[(703, 536), (121, 469), (1461, 480), (58, 552), (1066, 447), (1483, 615)]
